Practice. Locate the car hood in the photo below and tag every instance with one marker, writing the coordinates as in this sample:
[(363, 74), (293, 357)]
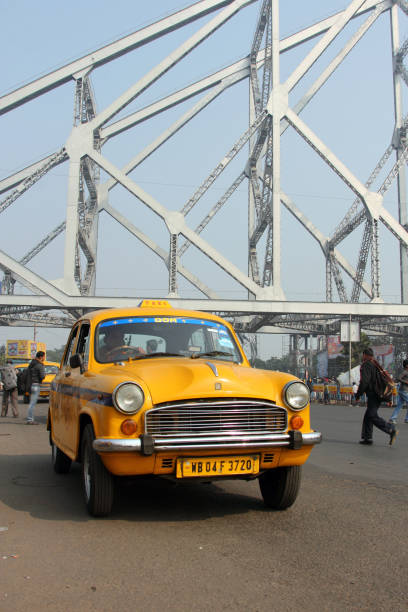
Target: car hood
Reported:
[(171, 379)]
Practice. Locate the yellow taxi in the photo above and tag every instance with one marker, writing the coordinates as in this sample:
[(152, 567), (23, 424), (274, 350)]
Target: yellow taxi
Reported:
[(159, 391), (51, 369)]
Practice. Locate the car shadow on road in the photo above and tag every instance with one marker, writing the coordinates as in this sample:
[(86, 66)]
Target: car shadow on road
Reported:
[(28, 483), (157, 499)]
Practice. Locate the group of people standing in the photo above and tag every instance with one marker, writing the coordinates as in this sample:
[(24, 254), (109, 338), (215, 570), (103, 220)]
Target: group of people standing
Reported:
[(34, 376)]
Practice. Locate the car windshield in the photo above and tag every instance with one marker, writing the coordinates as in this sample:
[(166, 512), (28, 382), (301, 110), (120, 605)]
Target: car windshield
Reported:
[(142, 337), (51, 369)]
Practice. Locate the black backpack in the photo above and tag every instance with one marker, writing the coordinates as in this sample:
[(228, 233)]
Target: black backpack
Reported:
[(383, 384), (24, 381)]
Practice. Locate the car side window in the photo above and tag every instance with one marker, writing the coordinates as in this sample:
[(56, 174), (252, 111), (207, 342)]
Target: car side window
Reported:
[(71, 344), (83, 343)]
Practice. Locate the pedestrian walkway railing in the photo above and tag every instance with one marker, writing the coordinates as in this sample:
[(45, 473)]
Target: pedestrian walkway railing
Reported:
[(342, 395)]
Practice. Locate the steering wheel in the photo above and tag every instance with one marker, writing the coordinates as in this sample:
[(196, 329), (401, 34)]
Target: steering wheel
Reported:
[(123, 349)]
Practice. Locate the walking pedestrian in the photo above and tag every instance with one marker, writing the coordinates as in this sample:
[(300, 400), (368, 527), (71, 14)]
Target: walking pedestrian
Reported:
[(355, 389), (9, 380), (326, 392), (338, 389), (309, 382), (35, 376), (368, 375), (402, 397)]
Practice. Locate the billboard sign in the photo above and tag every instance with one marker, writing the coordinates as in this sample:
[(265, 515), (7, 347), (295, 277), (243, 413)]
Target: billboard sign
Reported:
[(322, 364), (334, 347), (23, 349), (384, 354), (350, 331)]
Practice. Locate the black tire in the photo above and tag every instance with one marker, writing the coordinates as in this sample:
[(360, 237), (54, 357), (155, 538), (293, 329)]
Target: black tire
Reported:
[(60, 461), (96, 480), (26, 399), (280, 486)]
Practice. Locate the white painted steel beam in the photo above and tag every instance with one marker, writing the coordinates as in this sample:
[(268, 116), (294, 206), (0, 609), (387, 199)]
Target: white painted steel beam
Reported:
[(173, 129), (322, 45), (171, 60), (240, 70), (232, 307), (130, 227), (402, 177), (110, 52), (31, 280), (175, 218), (15, 179), (271, 110), (322, 240)]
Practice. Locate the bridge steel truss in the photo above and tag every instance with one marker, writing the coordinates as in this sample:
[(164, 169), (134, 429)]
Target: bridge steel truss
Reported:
[(270, 116)]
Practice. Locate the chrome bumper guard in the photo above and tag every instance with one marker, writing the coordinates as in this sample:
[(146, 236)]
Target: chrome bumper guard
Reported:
[(147, 445)]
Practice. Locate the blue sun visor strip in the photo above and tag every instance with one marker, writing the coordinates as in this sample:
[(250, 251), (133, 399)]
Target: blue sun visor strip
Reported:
[(167, 320)]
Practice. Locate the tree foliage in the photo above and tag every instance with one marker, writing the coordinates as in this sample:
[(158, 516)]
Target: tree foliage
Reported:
[(282, 364)]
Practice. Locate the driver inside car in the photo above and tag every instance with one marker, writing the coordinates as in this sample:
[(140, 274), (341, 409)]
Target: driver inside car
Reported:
[(151, 346), (115, 347)]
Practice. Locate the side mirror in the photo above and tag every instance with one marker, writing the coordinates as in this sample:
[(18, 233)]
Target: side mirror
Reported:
[(76, 361)]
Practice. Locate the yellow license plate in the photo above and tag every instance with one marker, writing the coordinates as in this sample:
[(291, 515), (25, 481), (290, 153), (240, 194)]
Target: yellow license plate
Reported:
[(217, 466)]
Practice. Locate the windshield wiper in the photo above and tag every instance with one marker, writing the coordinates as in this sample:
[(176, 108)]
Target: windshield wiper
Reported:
[(148, 355), (211, 354)]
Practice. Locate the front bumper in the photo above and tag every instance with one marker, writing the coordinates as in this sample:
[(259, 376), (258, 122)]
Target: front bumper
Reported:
[(148, 445)]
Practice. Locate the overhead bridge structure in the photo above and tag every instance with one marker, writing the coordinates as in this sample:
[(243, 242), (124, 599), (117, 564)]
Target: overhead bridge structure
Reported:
[(277, 106)]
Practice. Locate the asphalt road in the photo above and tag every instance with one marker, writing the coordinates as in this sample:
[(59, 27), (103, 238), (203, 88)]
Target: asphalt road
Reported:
[(195, 547)]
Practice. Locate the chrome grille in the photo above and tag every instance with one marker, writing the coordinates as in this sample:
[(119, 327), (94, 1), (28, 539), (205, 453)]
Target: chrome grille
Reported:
[(215, 418)]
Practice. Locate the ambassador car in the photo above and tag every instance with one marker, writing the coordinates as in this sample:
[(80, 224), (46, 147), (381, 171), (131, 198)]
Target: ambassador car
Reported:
[(157, 391)]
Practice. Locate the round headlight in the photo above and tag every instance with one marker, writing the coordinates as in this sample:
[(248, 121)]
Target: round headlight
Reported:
[(128, 398), (296, 395)]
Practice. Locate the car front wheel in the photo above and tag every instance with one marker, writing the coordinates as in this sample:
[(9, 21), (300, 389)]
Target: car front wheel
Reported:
[(280, 486), (97, 481)]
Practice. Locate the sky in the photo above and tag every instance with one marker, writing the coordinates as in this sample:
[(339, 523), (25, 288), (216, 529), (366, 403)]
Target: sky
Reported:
[(352, 114)]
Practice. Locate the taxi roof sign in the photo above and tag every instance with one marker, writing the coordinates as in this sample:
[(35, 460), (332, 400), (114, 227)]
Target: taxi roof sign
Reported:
[(154, 304)]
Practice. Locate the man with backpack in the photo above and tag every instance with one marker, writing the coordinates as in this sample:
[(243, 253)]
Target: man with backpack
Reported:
[(371, 383), (35, 376)]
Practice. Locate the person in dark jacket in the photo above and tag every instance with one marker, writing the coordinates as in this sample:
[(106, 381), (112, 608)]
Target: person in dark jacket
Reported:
[(35, 376), (368, 373)]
